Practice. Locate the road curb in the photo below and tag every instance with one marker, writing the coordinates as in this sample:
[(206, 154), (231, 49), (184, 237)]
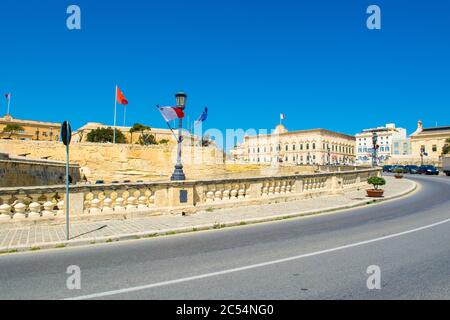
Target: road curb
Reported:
[(209, 226)]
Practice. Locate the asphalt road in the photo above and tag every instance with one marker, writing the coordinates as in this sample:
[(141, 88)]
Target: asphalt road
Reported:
[(321, 257)]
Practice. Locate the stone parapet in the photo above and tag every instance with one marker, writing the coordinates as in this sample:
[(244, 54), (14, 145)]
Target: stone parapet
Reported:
[(165, 197)]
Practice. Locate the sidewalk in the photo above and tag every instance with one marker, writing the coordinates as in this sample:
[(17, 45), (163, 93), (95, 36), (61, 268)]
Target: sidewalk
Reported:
[(84, 233)]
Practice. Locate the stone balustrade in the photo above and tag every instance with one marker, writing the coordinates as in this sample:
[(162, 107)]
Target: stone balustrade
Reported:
[(31, 203)]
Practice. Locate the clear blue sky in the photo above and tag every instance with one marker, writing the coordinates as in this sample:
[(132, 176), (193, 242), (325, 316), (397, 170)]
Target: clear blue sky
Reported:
[(247, 60)]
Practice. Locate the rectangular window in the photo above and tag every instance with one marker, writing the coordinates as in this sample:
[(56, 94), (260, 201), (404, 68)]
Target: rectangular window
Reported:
[(434, 148)]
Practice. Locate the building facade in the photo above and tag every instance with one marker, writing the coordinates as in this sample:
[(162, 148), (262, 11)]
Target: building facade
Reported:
[(16, 129), (429, 142), (386, 137), (160, 134), (303, 147)]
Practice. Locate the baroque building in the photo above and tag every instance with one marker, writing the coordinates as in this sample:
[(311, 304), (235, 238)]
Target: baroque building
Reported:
[(302, 147), (16, 129), (429, 142)]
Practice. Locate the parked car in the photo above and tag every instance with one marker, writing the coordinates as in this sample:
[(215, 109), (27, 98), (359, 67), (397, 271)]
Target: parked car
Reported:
[(428, 170), (398, 168), (411, 169), (387, 168)]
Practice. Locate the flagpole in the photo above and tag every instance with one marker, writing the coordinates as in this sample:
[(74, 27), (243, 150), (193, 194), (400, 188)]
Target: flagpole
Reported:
[(9, 102), (124, 116), (115, 114)]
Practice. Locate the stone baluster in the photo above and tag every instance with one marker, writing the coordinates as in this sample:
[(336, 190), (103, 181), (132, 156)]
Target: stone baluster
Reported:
[(48, 209), (5, 210), (35, 207), (241, 193), (125, 196), (217, 195), (210, 196), (234, 192), (95, 207), (271, 189), (288, 187), (142, 203), (87, 202), (293, 187), (61, 207), (283, 187), (265, 190), (226, 194), (131, 203), (248, 191), (119, 204), (107, 205), (277, 188), (20, 209)]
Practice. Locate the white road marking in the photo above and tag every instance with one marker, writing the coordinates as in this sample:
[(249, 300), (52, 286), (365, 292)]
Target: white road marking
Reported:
[(253, 266)]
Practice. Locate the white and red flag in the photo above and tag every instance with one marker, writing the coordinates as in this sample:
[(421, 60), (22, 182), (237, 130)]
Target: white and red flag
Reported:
[(282, 117), (171, 113)]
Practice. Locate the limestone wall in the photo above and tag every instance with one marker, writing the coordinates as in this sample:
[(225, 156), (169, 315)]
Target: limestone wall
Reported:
[(24, 172), (110, 162)]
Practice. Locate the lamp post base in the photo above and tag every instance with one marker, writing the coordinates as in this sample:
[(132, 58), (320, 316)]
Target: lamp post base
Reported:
[(178, 174)]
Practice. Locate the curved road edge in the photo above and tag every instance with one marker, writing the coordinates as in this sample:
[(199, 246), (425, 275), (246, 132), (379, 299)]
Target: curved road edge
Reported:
[(211, 226)]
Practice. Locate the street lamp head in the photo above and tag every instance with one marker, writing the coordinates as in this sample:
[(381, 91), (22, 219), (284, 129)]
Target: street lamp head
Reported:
[(181, 98)]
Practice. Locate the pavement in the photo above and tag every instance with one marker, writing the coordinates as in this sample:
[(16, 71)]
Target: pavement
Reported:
[(323, 256), (38, 237)]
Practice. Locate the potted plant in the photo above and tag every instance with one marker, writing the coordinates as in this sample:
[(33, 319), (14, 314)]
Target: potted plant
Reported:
[(398, 173), (376, 182)]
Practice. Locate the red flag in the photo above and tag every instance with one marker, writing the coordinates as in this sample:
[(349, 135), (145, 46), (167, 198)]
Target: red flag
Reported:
[(120, 97)]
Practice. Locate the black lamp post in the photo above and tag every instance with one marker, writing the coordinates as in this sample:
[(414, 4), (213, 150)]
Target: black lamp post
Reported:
[(178, 174), (422, 153), (374, 149)]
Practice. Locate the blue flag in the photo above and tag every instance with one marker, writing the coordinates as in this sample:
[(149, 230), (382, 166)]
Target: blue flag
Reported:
[(203, 117)]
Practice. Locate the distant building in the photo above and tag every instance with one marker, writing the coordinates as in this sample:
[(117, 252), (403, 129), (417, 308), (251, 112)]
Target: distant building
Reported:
[(237, 153), (401, 147), (303, 147), (28, 129), (80, 135), (431, 141), (390, 139)]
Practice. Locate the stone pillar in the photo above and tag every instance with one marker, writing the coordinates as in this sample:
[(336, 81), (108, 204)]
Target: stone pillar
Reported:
[(336, 184), (256, 190), (298, 185), (180, 196), (76, 203)]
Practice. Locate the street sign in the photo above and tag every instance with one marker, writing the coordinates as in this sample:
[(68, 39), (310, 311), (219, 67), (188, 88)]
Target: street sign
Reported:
[(66, 133), (66, 137)]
